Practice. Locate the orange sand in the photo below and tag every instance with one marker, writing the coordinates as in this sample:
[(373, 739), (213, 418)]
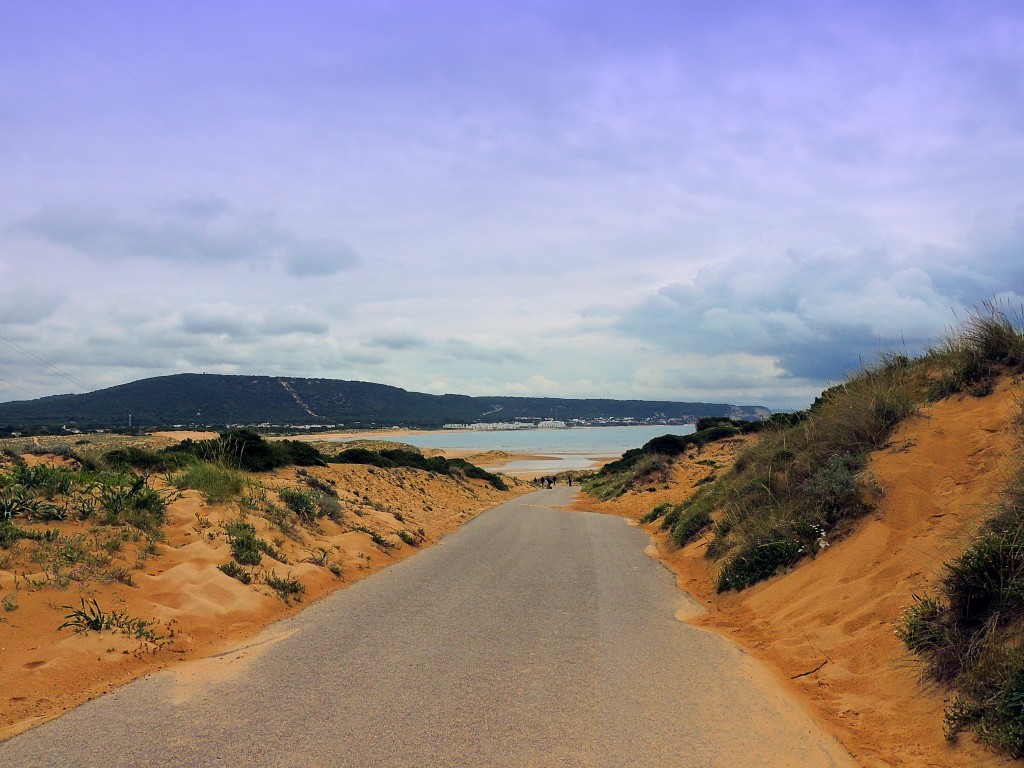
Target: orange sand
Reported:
[(197, 609), (940, 475)]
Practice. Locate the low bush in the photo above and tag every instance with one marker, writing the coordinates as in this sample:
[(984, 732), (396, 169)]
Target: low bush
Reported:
[(246, 547), (652, 462), (391, 458), (215, 482), (235, 571), (805, 479), (286, 587), (992, 337), (311, 504), (11, 534), (409, 538), (757, 561), (143, 459), (247, 450), (694, 517), (126, 499), (656, 513)]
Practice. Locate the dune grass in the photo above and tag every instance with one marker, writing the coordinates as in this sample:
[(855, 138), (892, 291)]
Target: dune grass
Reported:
[(652, 463), (970, 633), (968, 359), (800, 484), (216, 482), (805, 480)]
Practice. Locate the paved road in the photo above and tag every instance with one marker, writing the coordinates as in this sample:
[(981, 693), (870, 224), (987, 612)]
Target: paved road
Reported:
[(532, 637)]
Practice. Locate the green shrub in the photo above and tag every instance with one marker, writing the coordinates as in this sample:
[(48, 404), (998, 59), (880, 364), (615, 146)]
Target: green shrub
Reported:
[(992, 336), (41, 480), (671, 516), (126, 499), (235, 571), (215, 482), (409, 538), (312, 504), (247, 450), (656, 513), (286, 587), (135, 457), (10, 534), (377, 539), (991, 700), (300, 502), (391, 458), (758, 561), (693, 518), (246, 547), (969, 634)]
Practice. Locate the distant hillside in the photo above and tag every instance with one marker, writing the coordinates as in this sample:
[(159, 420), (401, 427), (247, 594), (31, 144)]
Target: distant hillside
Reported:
[(204, 400)]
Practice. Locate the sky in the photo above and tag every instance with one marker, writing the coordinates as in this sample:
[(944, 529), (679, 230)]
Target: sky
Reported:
[(733, 202)]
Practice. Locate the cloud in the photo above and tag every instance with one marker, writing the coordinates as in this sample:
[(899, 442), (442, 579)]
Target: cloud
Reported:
[(287, 320), (244, 324), (818, 314), (318, 258), (26, 307), (485, 352), (396, 340), (196, 231), (217, 323)]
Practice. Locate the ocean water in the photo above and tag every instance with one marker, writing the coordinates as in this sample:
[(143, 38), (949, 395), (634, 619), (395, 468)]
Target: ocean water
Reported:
[(568, 449)]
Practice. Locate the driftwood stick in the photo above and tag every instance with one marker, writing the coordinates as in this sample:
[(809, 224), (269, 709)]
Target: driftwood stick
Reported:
[(810, 671)]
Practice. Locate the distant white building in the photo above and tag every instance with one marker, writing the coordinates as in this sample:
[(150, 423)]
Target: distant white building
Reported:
[(494, 426)]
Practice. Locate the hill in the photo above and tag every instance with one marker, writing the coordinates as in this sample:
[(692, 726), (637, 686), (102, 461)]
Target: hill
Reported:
[(205, 400)]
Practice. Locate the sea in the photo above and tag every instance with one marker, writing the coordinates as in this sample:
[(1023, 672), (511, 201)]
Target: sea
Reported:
[(571, 449)]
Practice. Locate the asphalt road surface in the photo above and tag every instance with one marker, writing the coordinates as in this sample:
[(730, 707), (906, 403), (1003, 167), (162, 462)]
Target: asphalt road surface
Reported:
[(531, 637)]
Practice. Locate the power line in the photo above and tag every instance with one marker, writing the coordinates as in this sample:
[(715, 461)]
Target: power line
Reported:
[(18, 348), (16, 386)]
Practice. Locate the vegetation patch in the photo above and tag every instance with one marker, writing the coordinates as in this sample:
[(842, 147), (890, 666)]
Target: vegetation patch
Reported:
[(11, 534), (216, 482), (377, 539), (692, 518), (246, 547), (248, 450), (311, 504), (391, 458), (969, 634), (235, 571), (90, 617), (287, 588), (652, 463), (990, 340)]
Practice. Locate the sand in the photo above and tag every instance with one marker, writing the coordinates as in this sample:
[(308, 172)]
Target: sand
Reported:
[(826, 627), (197, 610)]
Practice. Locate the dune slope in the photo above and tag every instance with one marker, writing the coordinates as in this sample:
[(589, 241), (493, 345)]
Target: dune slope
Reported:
[(191, 607), (826, 627)]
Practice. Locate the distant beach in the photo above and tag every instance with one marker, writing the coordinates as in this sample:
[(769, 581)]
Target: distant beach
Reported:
[(526, 453)]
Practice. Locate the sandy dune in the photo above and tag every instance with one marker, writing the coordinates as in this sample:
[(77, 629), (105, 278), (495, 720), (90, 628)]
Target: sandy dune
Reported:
[(195, 608), (826, 627)]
